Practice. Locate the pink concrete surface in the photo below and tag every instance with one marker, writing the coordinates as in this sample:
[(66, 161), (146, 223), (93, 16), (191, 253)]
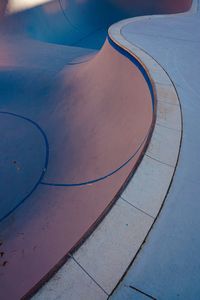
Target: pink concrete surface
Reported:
[(111, 97), (109, 111)]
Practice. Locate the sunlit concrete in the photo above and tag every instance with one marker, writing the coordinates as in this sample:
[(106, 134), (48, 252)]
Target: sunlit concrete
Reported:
[(19, 5)]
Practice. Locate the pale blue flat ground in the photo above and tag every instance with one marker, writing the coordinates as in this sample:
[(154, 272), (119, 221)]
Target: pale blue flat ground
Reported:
[(168, 267)]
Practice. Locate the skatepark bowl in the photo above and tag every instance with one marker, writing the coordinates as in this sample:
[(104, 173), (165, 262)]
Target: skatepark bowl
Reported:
[(76, 115)]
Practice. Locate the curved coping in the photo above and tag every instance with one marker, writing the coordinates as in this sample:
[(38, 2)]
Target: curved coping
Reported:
[(98, 265)]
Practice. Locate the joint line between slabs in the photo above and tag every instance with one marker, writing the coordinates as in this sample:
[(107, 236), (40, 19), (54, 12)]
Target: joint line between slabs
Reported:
[(89, 275), (159, 161), (142, 211)]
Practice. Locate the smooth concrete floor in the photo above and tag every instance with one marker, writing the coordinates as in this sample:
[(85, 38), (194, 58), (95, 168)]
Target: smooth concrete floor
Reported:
[(168, 266)]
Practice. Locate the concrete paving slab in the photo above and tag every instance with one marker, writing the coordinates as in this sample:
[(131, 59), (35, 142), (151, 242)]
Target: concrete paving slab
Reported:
[(155, 177), (167, 94), (108, 252), (165, 145), (72, 283), (168, 115), (159, 76)]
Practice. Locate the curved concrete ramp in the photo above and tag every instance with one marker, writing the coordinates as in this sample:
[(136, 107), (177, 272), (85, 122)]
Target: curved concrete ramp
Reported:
[(68, 158), (73, 128)]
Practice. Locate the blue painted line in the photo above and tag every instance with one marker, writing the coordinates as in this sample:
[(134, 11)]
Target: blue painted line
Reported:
[(45, 164), (67, 18), (100, 178)]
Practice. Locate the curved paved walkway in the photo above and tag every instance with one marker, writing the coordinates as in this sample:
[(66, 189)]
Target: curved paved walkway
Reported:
[(168, 267)]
